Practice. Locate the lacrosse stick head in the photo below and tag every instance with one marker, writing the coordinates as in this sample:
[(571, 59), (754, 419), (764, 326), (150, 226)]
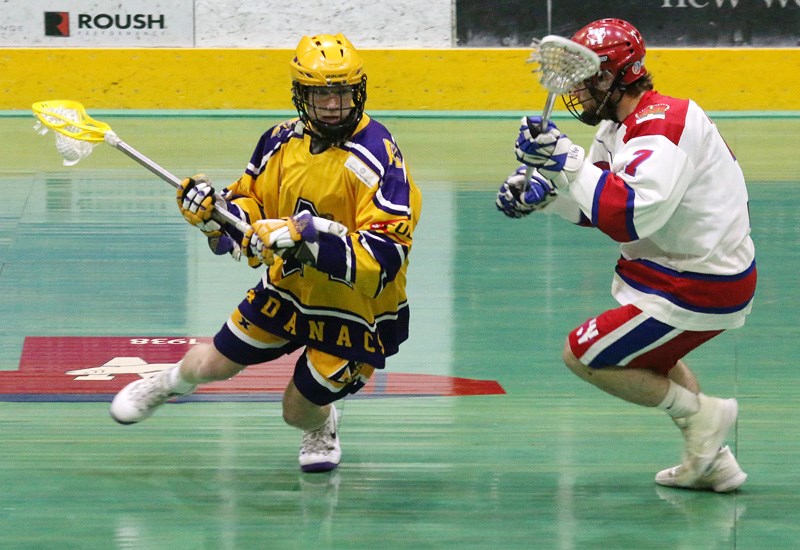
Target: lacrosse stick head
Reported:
[(563, 64), (76, 132)]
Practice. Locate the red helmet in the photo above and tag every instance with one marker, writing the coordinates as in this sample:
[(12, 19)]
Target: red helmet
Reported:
[(619, 45)]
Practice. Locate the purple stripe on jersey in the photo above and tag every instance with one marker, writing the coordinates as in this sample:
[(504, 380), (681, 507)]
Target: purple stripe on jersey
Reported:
[(392, 198), (371, 145), (374, 144), (384, 250), (332, 252), (395, 187)]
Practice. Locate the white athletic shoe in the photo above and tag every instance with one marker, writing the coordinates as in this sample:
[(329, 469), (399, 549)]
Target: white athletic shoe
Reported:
[(320, 451), (723, 476), (140, 399), (705, 431)]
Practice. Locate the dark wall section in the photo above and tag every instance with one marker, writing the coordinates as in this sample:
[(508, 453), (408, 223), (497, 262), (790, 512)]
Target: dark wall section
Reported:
[(664, 23)]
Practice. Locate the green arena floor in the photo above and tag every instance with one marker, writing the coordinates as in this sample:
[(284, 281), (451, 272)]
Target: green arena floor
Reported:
[(97, 254)]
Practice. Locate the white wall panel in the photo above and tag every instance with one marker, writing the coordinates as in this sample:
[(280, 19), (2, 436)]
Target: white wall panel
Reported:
[(280, 24), (96, 23)]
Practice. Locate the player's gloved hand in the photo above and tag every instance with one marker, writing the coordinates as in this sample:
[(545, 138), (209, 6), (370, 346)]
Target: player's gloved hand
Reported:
[(518, 198), (268, 236), (527, 149), (551, 152), (196, 199), (224, 244)]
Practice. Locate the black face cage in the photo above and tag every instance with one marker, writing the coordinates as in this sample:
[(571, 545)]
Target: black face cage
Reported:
[(576, 109), (606, 109), (340, 131)]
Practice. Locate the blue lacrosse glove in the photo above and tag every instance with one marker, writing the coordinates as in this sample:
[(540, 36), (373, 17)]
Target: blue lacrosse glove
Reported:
[(551, 152), (528, 148), (518, 198)]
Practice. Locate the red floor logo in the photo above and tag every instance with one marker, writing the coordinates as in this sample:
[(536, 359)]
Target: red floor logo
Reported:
[(95, 368)]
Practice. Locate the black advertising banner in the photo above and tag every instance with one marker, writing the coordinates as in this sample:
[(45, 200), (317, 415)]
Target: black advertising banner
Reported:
[(664, 23)]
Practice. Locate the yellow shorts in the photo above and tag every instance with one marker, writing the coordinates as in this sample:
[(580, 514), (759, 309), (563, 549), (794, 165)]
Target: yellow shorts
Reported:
[(323, 378), (320, 377)]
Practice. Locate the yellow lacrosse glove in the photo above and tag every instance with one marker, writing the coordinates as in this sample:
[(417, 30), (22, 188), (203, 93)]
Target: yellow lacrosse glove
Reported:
[(269, 235), (196, 198)]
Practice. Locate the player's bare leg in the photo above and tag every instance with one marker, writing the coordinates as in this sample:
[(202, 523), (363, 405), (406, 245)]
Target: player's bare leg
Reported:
[(201, 364), (683, 376), (639, 386), (302, 413), (320, 450), (704, 421)]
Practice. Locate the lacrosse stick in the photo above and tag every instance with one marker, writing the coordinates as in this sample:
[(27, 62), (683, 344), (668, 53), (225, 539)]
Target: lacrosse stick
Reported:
[(563, 64), (77, 134)]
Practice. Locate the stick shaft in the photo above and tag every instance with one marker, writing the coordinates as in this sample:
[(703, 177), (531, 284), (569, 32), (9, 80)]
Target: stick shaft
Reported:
[(546, 112), (154, 167), (220, 215), (548, 109)]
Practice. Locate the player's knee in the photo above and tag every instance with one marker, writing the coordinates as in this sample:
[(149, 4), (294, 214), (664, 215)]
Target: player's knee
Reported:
[(291, 416), (292, 412), (207, 364), (567, 356), (298, 411), (572, 362)]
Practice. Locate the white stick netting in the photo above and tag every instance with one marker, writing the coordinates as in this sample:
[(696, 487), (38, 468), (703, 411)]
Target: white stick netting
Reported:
[(563, 64), (71, 150)]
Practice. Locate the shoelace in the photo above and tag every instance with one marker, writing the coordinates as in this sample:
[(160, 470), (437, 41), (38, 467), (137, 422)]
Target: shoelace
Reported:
[(318, 440), (149, 392)]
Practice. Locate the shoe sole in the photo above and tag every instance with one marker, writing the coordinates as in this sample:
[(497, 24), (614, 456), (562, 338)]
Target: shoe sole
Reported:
[(669, 480), (148, 415), (319, 467), (727, 486), (124, 423)]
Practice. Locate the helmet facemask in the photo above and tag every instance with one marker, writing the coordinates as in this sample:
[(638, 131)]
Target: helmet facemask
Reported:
[(330, 113), (329, 88), (596, 100), (621, 49)]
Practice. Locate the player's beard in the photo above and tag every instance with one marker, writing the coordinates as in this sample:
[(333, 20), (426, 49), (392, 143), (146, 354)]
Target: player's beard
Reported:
[(602, 107)]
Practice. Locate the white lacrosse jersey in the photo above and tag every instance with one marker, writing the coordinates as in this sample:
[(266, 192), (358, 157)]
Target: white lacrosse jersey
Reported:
[(665, 185)]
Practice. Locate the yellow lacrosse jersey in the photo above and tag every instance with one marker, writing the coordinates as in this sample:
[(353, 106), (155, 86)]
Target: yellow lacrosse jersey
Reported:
[(352, 302)]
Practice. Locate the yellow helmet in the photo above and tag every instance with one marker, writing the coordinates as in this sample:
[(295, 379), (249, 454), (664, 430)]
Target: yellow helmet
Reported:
[(326, 66), (326, 60)]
